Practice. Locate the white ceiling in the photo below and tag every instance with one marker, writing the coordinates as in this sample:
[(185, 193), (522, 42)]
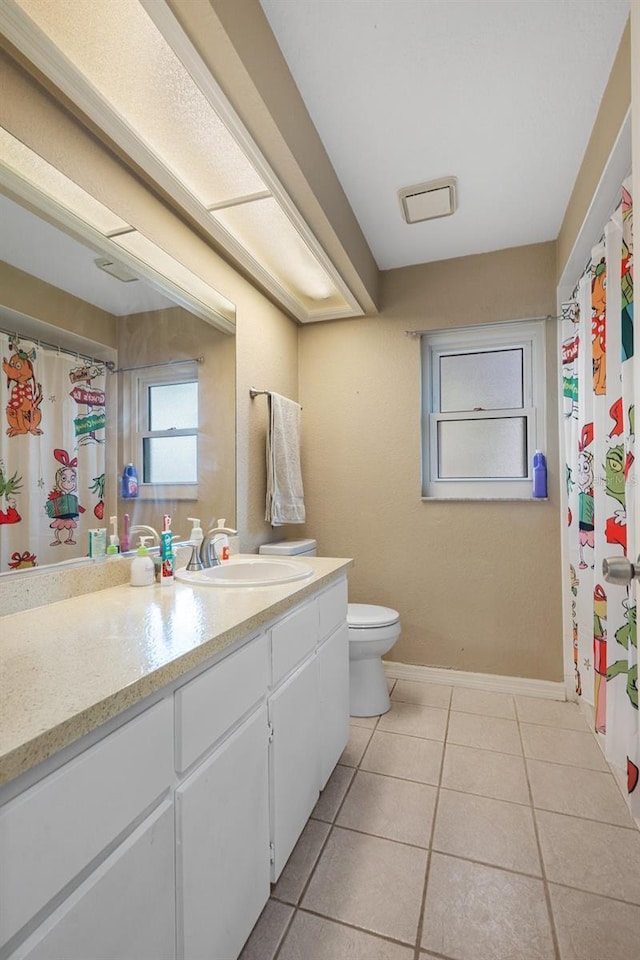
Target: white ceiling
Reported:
[(502, 94)]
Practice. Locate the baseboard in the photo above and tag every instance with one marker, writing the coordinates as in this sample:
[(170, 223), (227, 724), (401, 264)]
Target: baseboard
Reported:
[(523, 686)]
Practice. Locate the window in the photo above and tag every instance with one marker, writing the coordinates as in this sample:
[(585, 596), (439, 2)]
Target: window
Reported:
[(164, 444), (483, 416)]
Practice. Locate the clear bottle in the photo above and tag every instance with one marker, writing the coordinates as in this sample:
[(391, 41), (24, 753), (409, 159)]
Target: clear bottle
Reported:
[(142, 568)]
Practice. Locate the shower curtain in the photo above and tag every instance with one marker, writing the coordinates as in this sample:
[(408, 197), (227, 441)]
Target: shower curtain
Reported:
[(52, 453), (601, 485)]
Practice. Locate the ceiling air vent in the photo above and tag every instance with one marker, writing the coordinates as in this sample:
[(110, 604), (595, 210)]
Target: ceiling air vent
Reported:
[(428, 201), (115, 269)]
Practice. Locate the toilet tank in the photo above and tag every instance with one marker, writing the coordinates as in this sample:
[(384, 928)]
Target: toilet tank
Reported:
[(290, 548)]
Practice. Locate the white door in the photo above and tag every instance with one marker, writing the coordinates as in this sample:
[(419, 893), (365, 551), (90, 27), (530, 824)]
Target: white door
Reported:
[(294, 759), (222, 827), (125, 910), (333, 671)]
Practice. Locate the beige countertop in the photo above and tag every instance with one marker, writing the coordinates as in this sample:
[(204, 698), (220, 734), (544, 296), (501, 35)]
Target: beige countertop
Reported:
[(70, 666)]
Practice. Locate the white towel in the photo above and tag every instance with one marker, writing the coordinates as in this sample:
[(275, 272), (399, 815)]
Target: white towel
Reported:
[(285, 496)]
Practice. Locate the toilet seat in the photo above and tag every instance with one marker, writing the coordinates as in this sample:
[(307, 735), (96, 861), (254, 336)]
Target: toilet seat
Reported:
[(365, 616)]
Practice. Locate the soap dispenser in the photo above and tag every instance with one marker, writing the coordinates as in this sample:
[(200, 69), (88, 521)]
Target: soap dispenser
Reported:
[(195, 539), (142, 569)]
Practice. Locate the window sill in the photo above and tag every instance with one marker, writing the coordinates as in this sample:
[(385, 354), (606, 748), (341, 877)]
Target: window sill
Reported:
[(485, 499), (166, 491)]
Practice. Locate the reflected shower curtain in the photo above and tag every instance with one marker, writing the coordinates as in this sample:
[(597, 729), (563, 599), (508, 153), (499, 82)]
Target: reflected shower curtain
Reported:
[(52, 453), (601, 479)]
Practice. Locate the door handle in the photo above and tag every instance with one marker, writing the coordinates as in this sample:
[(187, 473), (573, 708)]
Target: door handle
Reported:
[(620, 570)]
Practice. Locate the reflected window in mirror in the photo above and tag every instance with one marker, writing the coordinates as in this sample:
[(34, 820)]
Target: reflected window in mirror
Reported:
[(164, 438)]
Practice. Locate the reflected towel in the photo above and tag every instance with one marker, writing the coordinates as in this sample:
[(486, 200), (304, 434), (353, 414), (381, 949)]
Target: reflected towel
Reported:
[(285, 496)]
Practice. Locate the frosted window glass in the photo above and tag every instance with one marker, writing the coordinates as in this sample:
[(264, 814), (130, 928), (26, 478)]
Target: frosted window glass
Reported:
[(170, 459), (486, 448), (173, 406), (489, 380)]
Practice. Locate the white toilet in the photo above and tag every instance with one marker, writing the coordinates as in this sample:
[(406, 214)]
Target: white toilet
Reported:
[(372, 632)]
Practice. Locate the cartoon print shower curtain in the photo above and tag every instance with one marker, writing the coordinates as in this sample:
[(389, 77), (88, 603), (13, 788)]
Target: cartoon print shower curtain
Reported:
[(52, 453), (601, 480)]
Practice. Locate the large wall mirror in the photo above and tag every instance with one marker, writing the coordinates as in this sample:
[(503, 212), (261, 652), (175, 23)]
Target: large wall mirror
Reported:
[(130, 364)]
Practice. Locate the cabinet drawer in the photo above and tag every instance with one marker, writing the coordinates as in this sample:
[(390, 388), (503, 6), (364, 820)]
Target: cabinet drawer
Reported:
[(212, 703), (292, 639), (333, 608), (54, 829)]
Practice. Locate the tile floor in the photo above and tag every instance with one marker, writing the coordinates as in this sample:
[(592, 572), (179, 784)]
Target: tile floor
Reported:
[(464, 825)]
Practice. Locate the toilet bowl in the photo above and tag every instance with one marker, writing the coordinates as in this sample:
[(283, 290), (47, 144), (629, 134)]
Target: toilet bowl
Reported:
[(372, 632)]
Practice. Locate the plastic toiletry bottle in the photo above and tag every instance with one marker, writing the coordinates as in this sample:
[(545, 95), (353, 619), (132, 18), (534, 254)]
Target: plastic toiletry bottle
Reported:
[(221, 547), (114, 542), (539, 475), (166, 552), (195, 539), (129, 482), (142, 566), (124, 540)]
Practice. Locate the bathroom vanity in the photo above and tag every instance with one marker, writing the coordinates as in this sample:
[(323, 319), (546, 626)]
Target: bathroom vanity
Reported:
[(182, 757)]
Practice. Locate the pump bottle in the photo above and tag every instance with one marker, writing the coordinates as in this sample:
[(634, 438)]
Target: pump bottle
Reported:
[(142, 569)]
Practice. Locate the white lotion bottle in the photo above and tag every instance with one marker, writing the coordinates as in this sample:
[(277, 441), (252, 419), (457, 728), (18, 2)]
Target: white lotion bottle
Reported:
[(142, 569)]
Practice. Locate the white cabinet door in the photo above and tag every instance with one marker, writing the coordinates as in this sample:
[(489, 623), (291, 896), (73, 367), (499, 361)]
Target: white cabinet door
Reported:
[(126, 908), (222, 825), (333, 672), (294, 759)]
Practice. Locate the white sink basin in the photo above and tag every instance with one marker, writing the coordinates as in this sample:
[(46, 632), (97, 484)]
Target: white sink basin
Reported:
[(248, 572)]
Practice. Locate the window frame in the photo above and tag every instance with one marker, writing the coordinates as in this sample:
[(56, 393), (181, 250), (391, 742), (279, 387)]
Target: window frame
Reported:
[(139, 418), (527, 335)]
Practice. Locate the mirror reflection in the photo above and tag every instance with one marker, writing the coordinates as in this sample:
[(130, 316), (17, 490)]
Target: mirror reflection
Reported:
[(100, 371)]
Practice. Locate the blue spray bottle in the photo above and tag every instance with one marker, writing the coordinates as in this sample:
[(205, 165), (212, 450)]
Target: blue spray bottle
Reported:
[(539, 475)]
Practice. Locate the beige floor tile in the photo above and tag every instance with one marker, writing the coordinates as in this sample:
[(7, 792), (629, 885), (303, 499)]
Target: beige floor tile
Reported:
[(414, 720), (409, 758), (391, 682), (491, 831), (498, 775), (429, 694), (490, 733), (475, 912), (320, 939), (554, 713), (368, 722), (333, 794), (574, 790), (267, 934), (358, 739), (484, 702), (370, 883), (592, 928), (591, 856), (573, 747), (386, 807), (301, 862)]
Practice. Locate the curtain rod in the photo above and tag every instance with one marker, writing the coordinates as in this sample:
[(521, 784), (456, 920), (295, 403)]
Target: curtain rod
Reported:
[(422, 333), (109, 364), (161, 363)]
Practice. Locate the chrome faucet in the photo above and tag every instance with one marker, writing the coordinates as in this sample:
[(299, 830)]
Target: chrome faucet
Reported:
[(207, 547)]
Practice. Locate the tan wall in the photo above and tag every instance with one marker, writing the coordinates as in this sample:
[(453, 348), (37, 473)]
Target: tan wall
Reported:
[(614, 106), (32, 297), (477, 585)]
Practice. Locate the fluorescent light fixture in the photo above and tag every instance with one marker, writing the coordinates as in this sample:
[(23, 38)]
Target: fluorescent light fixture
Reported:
[(129, 66), (428, 201), (180, 278), (268, 235), (21, 161), (30, 177)]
